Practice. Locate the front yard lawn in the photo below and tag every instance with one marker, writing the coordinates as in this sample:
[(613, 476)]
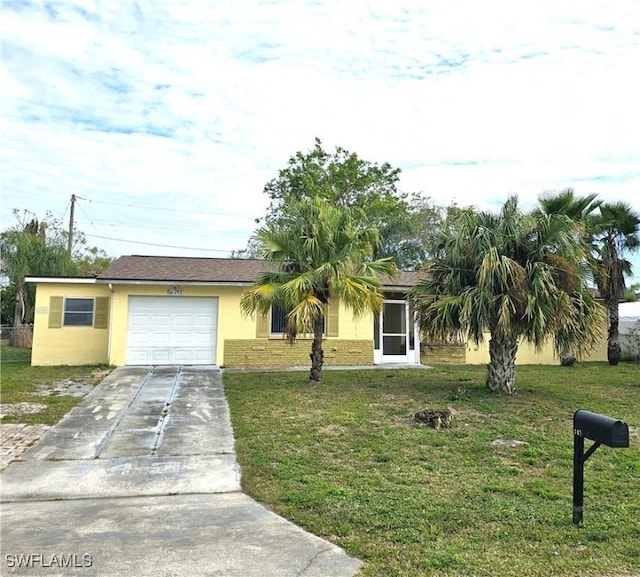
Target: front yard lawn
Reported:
[(345, 460), (20, 383)]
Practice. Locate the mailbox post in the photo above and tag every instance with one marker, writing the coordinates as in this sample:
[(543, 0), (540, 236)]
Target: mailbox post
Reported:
[(602, 430)]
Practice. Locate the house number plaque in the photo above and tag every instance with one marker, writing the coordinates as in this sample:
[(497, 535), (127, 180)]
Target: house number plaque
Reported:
[(174, 290)]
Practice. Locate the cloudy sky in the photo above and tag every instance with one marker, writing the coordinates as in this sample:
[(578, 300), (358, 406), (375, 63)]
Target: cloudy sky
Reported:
[(167, 117)]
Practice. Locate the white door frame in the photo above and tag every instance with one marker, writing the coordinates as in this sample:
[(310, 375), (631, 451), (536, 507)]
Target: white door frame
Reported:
[(411, 356)]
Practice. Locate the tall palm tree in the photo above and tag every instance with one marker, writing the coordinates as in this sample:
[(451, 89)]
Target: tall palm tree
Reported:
[(320, 252), (516, 276), (580, 209), (616, 231)]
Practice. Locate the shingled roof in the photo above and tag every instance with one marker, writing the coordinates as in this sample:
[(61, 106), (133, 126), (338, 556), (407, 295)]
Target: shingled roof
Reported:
[(205, 270), (184, 269)]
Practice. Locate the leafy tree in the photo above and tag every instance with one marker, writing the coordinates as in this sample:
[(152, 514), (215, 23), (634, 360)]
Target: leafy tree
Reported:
[(632, 293), (514, 275), (90, 261), (345, 180), (7, 304), (617, 232), (39, 248), (31, 248), (319, 252)]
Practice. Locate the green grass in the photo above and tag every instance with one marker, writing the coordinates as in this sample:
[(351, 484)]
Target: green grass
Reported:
[(345, 460), (19, 382)]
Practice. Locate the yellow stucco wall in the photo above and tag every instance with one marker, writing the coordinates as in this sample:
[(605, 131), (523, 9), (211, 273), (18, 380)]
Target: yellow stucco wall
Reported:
[(231, 322), (83, 345), (528, 355), (233, 325), (67, 345)]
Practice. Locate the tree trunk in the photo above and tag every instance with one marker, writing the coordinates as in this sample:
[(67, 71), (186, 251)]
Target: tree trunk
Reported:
[(18, 313), (502, 364), (317, 354), (567, 358), (613, 336)]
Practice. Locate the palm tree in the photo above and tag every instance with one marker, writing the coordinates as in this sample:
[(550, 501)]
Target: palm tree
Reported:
[(516, 276), (320, 252), (581, 210), (578, 208), (616, 231)]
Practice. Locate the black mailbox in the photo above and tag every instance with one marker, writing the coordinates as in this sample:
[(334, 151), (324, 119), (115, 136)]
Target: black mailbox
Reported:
[(600, 428)]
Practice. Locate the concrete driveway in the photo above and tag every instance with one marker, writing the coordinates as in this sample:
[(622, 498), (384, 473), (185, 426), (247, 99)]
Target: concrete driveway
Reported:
[(141, 479)]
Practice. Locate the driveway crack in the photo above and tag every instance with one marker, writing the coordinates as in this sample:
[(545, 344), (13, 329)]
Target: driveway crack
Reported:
[(312, 561), (164, 415), (107, 438)]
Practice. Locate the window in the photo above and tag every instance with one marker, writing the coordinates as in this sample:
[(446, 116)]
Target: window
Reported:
[(274, 323), (78, 312), (279, 322)]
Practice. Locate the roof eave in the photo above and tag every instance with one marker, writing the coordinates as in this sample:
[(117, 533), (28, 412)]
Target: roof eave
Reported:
[(60, 279), (172, 282)]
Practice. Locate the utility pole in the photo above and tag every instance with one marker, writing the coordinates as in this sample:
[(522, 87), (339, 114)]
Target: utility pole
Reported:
[(70, 239)]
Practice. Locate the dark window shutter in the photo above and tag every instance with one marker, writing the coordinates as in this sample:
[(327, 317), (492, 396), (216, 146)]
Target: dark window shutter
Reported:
[(101, 314), (55, 312)]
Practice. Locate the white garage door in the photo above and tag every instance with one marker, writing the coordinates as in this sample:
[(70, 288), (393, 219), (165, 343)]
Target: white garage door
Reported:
[(172, 331)]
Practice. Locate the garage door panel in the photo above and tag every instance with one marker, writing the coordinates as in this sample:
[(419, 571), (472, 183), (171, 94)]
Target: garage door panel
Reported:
[(138, 358), (172, 330), (160, 339), (183, 339), (182, 357), (139, 321), (161, 356), (139, 339), (201, 358), (182, 321), (160, 321)]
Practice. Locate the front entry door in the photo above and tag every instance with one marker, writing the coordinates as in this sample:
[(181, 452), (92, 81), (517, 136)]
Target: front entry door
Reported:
[(394, 334)]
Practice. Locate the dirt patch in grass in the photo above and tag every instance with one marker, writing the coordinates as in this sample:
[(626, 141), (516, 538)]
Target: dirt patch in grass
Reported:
[(54, 391), (78, 386), (21, 408)]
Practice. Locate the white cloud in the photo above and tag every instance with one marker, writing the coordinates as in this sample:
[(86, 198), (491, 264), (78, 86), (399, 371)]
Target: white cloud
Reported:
[(189, 105)]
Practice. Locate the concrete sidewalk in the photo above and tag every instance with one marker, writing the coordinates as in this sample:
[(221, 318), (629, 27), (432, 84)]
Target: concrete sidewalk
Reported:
[(141, 479)]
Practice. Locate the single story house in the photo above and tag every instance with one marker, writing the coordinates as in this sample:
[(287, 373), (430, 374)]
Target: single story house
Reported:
[(153, 310)]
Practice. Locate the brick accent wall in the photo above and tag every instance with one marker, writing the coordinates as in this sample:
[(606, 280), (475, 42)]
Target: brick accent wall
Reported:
[(279, 353), (442, 354)]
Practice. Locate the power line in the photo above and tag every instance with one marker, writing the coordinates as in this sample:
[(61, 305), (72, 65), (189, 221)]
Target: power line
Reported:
[(97, 223), (167, 209), (156, 244)]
